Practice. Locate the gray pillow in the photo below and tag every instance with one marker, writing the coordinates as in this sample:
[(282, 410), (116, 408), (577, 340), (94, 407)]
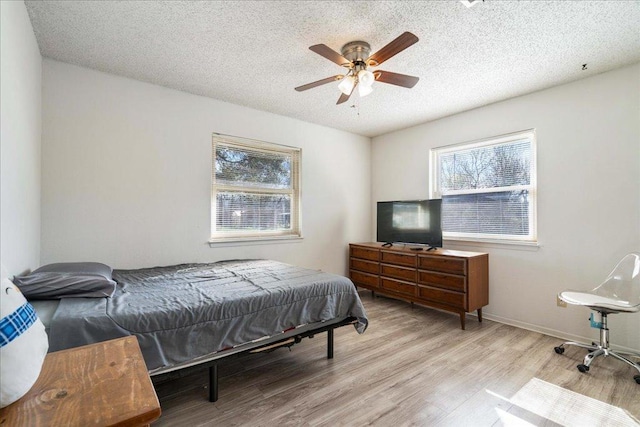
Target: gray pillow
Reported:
[(68, 280)]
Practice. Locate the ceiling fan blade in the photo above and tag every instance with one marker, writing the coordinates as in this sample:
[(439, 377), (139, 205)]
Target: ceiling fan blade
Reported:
[(330, 54), (320, 82), (344, 98), (402, 42), (395, 78)]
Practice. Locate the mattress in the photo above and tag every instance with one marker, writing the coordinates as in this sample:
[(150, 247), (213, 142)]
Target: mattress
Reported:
[(183, 312), (45, 309)]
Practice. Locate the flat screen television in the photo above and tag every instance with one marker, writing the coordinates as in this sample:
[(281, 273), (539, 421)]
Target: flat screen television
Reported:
[(410, 221)]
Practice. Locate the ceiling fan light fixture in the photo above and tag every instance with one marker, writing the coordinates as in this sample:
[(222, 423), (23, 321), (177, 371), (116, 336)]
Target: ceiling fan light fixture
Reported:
[(347, 84), (356, 56), (366, 78), (364, 90)]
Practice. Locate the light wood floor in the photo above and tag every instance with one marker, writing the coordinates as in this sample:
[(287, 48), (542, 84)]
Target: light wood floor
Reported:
[(411, 367)]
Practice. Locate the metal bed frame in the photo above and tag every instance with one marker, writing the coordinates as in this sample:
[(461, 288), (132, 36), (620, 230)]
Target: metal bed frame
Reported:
[(287, 339)]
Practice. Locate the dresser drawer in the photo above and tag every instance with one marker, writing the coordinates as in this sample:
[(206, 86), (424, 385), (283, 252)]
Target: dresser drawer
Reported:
[(398, 287), (398, 259), (448, 281), (445, 265), (364, 253), (450, 298), (364, 279), (366, 266), (402, 273)]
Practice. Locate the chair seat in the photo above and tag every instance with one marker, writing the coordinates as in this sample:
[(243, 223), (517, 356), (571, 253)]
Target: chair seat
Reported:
[(598, 302)]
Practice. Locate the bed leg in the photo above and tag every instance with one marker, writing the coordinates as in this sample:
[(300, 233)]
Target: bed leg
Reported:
[(213, 382), (330, 343)]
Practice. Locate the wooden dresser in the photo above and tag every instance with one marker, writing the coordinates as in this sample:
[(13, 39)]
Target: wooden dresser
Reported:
[(455, 281)]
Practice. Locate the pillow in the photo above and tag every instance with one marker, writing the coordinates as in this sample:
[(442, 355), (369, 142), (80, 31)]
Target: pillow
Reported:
[(23, 344), (68, 280)]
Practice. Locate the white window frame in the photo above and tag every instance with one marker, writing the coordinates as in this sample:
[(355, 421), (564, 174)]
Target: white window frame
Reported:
[(294, 191), (435, 191)]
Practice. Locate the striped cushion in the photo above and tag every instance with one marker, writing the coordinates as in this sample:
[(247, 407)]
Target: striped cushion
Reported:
[(12, 326)]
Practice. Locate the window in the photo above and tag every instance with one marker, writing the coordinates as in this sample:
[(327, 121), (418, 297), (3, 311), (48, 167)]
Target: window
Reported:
[(488, 188), (255, 190)]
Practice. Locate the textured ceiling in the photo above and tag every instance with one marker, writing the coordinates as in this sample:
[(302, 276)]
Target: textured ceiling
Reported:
[(254, 53)]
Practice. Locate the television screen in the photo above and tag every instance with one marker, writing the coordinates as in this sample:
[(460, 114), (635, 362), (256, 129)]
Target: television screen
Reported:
[(412, 221)]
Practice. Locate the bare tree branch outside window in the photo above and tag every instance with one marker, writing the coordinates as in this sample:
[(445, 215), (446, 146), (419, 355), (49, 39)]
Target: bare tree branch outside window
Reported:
[(254, 190)]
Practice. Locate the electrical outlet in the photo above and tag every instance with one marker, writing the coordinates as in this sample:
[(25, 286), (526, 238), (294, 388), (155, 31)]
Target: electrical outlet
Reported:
[(560, 302)]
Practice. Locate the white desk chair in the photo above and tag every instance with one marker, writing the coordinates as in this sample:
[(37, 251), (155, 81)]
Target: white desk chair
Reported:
[(619, 293)]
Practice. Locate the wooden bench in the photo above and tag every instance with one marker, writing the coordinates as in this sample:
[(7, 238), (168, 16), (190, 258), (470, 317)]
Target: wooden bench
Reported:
[(103, 384)]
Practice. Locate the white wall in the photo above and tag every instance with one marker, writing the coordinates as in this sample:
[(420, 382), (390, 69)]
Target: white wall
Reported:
[(588, 135), (127, 175), (20, 119)]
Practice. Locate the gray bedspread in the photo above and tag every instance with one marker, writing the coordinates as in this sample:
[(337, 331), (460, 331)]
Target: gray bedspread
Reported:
[(186, 311)]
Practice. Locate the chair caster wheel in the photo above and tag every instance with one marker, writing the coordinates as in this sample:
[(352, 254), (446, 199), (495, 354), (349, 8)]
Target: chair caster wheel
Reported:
[(637, 378), (584, 368), (559, 349)]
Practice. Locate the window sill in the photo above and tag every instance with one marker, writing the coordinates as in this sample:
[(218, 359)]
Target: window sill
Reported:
[(488, 243), (251, 241)]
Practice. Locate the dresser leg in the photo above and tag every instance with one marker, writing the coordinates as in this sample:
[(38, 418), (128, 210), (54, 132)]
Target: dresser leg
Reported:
[(462, 319), (479, 315), (373, 294)]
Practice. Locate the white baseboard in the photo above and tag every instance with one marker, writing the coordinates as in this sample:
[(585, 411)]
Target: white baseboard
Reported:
[(561, 335), (564, 336)]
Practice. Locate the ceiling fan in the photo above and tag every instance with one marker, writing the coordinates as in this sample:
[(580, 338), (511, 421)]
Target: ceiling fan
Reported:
[(356, 57)]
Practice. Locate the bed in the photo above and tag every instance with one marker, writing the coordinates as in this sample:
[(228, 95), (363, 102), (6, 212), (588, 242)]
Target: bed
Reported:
[(197, 314)]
